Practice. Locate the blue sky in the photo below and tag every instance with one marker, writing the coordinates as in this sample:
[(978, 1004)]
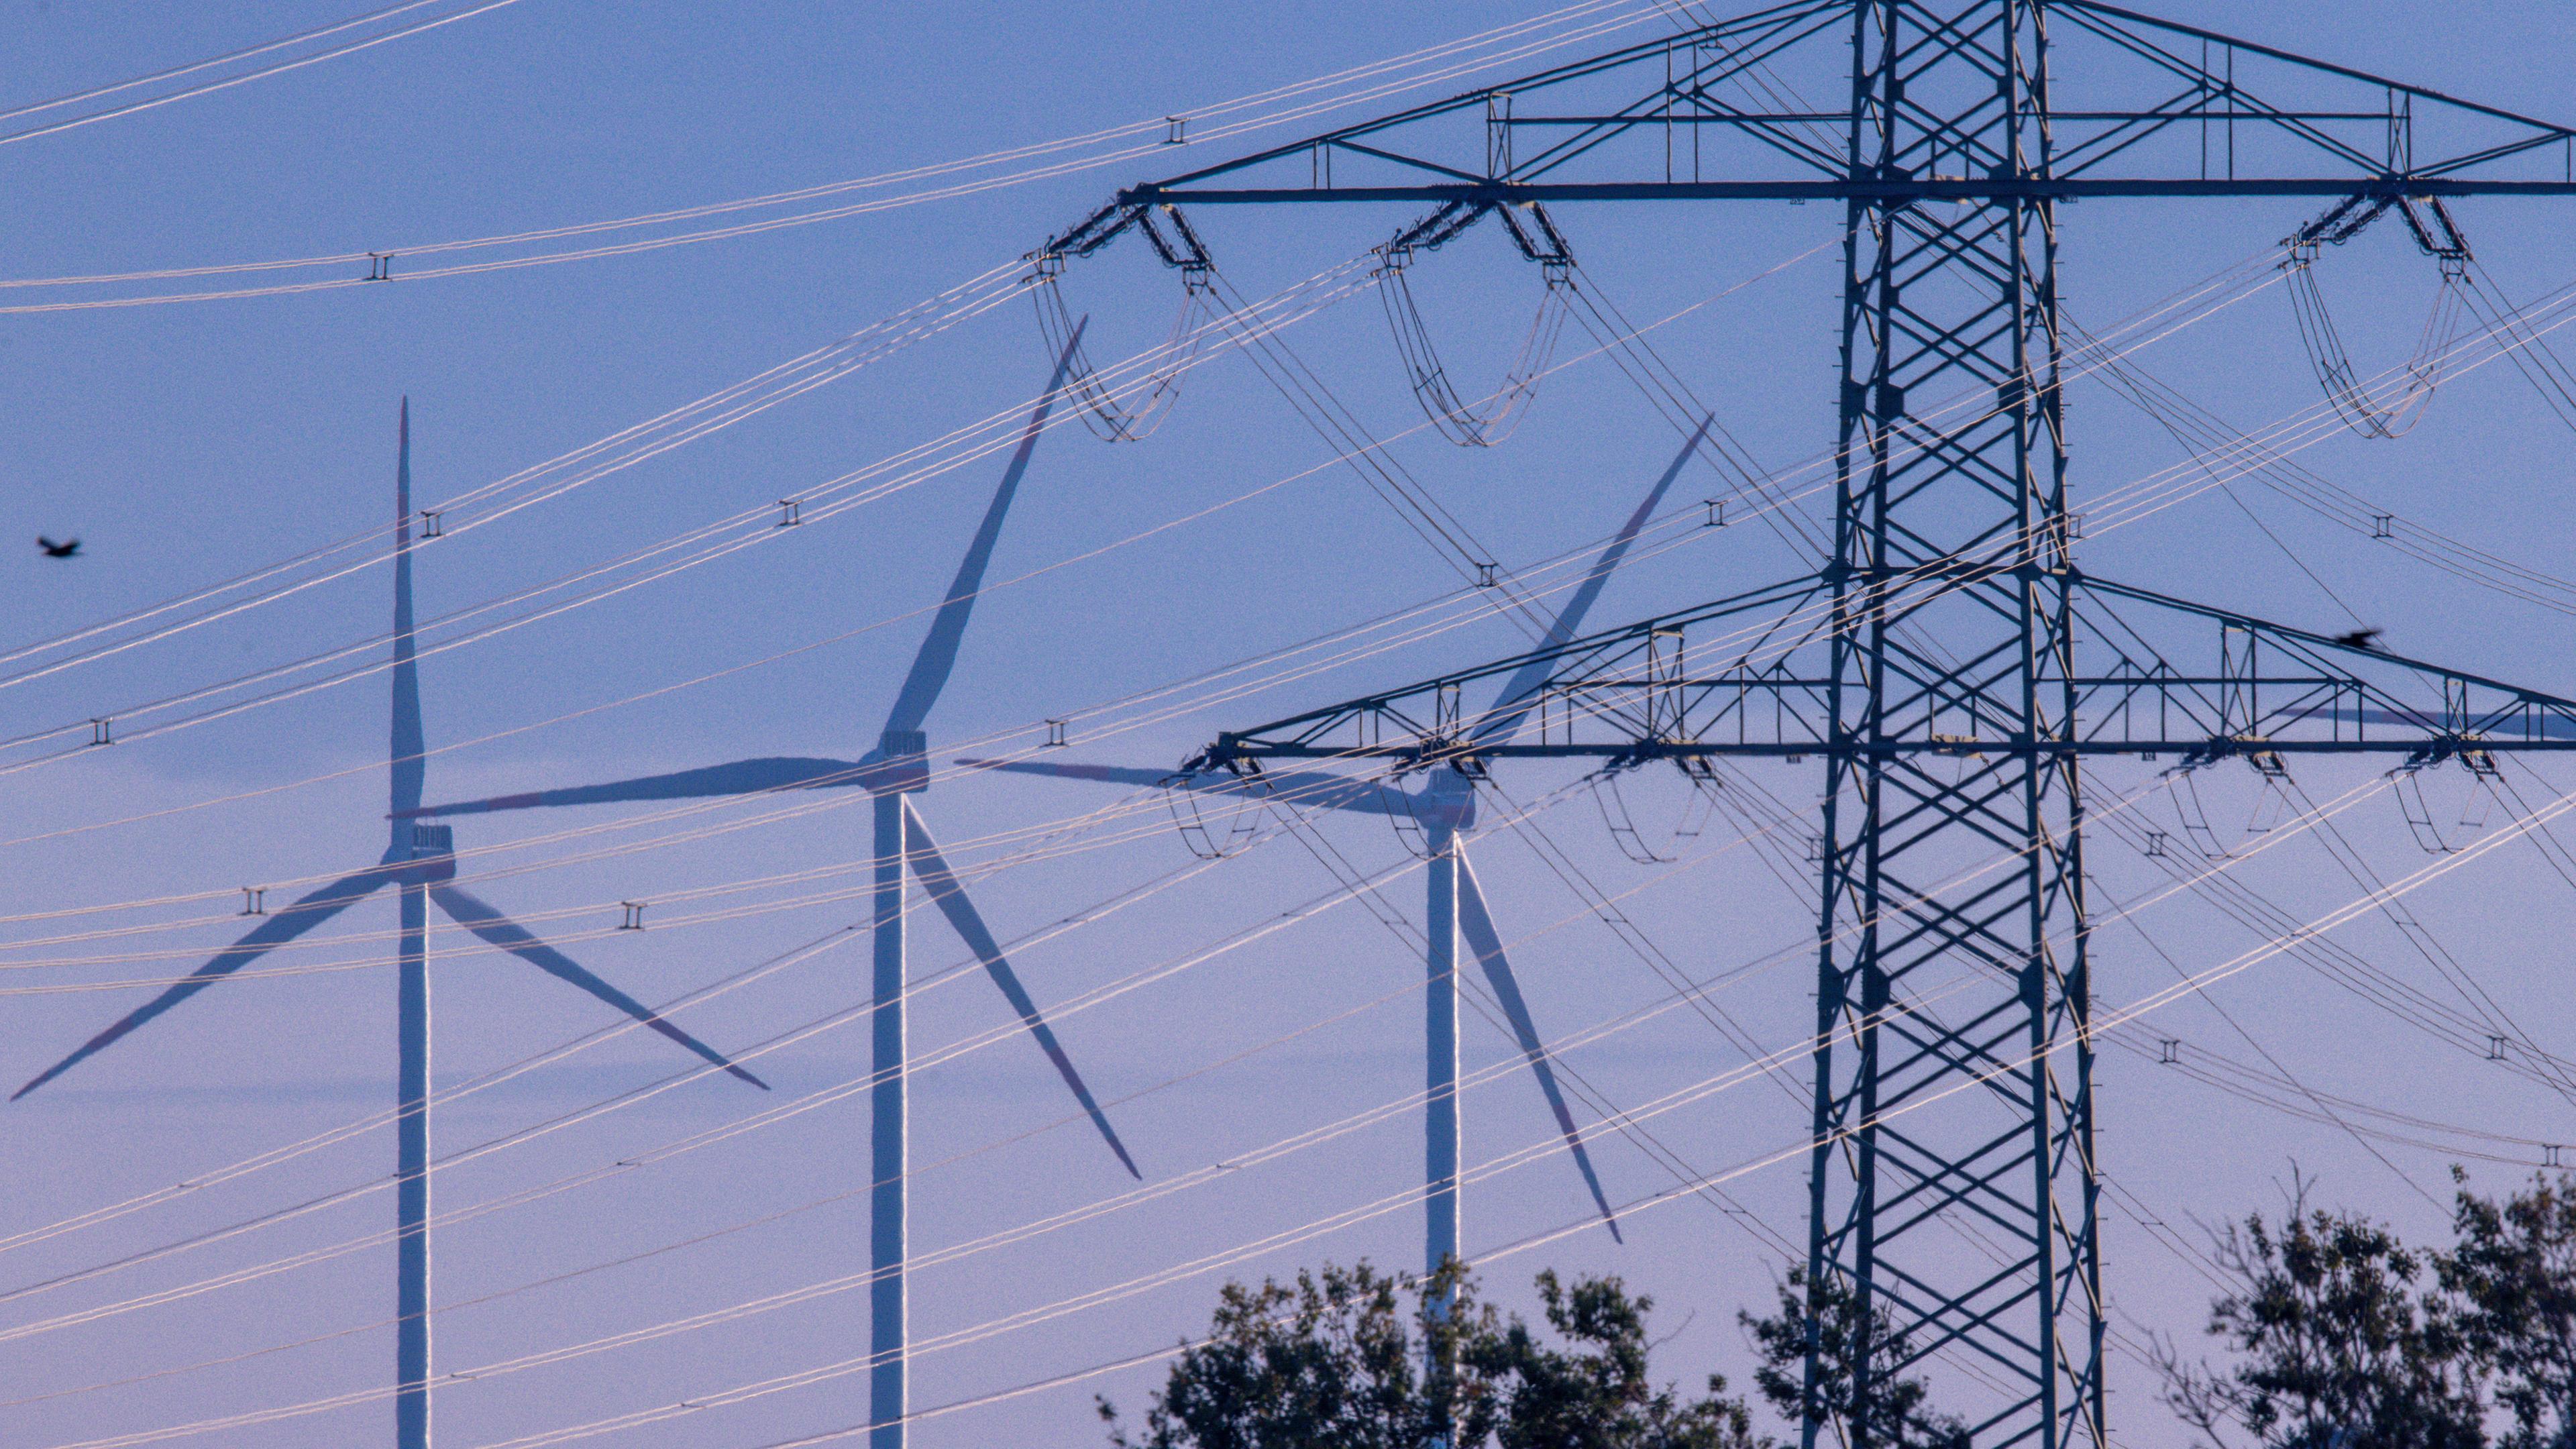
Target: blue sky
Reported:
[(188, 443)]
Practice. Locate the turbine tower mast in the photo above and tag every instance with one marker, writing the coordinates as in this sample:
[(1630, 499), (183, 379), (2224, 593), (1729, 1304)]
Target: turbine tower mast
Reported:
[(410, 767), (1949, 579)]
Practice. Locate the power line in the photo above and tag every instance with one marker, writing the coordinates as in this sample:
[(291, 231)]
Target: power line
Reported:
[(127, 108)]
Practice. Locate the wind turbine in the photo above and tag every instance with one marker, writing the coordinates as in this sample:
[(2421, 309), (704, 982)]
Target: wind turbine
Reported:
[(898, 766), (420, 863), (1445, 808)]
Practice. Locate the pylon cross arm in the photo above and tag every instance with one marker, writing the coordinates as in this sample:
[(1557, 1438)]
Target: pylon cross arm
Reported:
[(2139, 107), (2150, 675)]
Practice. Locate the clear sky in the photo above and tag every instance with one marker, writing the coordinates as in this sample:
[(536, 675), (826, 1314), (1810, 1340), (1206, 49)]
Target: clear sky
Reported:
[(188, 443)]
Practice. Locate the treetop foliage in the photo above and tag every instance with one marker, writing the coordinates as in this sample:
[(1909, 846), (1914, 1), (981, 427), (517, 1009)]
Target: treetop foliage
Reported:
[(1351, 1358), (2346, 1338)]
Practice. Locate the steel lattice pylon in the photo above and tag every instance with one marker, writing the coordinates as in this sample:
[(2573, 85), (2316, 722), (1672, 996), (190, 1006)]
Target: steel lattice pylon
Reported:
[(1963, 665), (1938, 300)]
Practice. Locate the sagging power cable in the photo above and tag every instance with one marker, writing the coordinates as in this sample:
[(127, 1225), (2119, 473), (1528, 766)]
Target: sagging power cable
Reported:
[(278, 67), (1509, 44), (1502, 411), (2439, 237)]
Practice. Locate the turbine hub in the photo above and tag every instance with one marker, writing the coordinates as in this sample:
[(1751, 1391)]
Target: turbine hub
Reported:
[(903, 763), (433, 855)]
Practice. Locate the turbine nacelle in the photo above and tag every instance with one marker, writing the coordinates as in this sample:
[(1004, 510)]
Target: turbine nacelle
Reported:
[(1446, 803), (899, 765), (431, 859)]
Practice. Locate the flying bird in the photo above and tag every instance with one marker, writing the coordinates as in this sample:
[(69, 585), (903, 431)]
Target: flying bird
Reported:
[(2359, 639), (65, 549)]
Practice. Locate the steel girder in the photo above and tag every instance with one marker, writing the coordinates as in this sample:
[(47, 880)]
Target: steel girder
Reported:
[(1749, 676)]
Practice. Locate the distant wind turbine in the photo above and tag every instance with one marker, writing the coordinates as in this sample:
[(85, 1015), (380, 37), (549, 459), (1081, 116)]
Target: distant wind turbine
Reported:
[(420, 863), (897, 767), (1445, 807)]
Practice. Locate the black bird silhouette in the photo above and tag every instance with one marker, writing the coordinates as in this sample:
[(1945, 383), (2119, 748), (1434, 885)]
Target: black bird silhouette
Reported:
[(2359, 639), (65, 549)]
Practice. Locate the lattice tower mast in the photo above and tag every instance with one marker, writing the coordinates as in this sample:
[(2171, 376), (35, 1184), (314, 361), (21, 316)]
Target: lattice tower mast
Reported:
[(1939, 300)]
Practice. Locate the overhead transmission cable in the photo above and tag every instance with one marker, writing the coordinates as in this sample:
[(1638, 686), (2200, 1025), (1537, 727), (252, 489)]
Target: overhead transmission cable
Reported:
[(617, 1101), (697, 1238), (2317, 1103), (2210, 439), (2538, 362), (2179, 484), (1143, 359), (503, 496), (744, 529), (2338, 963), (2481, 1002), (1297, 101), (627, 1162), (1474, 607), (126, 108)]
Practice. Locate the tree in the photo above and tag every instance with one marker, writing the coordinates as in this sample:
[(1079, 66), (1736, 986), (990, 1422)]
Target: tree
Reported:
[(1328, 1364), (2513, 1266), (1337, 1361), (1862, 1397), (1597, 1395), (2340, 1348)]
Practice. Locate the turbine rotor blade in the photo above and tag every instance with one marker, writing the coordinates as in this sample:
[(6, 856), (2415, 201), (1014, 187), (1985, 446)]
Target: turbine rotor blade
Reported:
[(1477, 924), (495, 929), (284, 926), (938, 653), (410, 748), (740, 777), (1102, 774), (950, 895), (1300, 788), (1520, 693)]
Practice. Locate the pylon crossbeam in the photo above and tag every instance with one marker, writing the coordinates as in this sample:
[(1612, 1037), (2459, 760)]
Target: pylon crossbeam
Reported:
[(1976, 1319), (2311, 694), (1930, 930), (1936, 805), (1936, 1060), (1947, 924), (1954, 1321), (1946, 1181)]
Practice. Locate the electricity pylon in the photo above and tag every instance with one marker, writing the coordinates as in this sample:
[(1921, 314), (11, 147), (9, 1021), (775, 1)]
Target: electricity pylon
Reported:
[(1954, 666)]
